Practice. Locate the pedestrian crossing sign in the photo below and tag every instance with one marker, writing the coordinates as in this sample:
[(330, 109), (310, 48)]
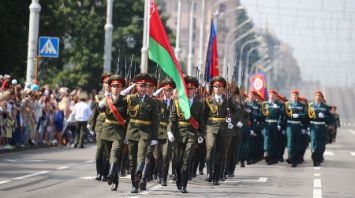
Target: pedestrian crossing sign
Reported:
[(48, 47)]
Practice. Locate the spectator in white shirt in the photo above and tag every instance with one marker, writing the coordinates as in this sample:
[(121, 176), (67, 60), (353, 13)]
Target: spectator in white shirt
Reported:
[(82, 113)]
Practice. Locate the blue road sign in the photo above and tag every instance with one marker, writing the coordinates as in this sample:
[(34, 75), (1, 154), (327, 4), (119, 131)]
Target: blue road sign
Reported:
[(48, 47)]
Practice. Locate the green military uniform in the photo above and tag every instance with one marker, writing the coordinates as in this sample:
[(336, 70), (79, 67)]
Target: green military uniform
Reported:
[(149, 159), (215, 114), (185, 135), (163, 150), (113, 131), (296, 113), (235, 137), (95, 122), (318, 114), (142, 128), (273, 113), (255, 142)]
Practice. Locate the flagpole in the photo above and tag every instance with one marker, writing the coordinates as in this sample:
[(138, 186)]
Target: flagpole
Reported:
[(202, 28), (178, 19), (190, 68), (144, 50)]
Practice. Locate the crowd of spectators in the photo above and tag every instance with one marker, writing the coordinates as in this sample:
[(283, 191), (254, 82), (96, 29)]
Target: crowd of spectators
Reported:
[(34, 115)]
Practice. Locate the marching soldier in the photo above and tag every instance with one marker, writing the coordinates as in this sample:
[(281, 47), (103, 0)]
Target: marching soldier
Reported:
[(149, 159), (295, 113), (163, 150), (216, 111), (273, 113), (254, 110), (95, 123), (235, 133), (114, 127), (282, 135), (304, 141), (185, 134), (141, 131), (245, 132), (318, 113)]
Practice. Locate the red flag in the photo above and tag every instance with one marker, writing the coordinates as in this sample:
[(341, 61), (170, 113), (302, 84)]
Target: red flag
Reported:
[(258, 84)]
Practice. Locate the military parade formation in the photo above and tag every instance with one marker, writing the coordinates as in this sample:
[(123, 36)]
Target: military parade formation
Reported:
[(140, 129)]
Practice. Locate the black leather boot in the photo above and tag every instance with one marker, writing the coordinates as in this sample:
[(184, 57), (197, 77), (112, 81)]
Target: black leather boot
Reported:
[(178, 178), (98, 169), (134, 186), (184, 179), (112, 173)]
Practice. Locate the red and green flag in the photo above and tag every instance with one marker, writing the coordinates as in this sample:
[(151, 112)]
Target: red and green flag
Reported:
[(160, 51)]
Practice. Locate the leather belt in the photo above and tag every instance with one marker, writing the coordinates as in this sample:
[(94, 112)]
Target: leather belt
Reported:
[(293, 122), (216, 119), (164, 124), (144, 122), (271, 121), (115, 122), (317, 123), (184, 123)]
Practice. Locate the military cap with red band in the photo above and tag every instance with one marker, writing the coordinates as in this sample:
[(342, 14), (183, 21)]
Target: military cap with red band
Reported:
[(143, 78), (116, 79), (219, 80), (295, 91), (168, 83), (105, 76), (191, 82)]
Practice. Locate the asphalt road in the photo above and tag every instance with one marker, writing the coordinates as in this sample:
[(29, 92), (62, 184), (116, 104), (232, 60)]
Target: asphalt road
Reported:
[(68, 172)]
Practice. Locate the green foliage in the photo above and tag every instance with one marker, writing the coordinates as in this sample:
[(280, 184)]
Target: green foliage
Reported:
[(13, 37)]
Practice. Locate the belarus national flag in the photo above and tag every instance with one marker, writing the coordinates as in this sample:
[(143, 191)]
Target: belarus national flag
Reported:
[(160, 51)]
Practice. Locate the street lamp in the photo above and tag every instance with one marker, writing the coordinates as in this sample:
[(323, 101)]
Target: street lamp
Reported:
[(246, 74), (235, 41), (241, 58), (108, 37)]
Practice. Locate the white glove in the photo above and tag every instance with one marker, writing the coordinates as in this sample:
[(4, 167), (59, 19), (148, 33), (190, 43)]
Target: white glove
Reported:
[(230, 126), (320, 115), (200, 140), (248, 110), (279, 127), (157, 92), (171, 137), (88, 127), (92, 132), (125, 141), (239, 124), (153, 142), (252, 133), (102, 103), (304, 131), (127, 90), (283, 132), (295, 115)]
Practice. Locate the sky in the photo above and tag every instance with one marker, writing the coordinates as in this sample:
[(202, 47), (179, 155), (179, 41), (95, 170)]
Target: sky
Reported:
[(320, 32)]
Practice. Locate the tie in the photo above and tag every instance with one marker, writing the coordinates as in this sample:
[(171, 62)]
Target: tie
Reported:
[(219, 101), (141, 98)]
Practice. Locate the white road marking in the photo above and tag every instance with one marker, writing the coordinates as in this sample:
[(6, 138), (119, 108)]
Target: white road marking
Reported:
[(34, 160), (33, 174), (261, 179), (352, 154), (89, 161), (62, 168), (317, 183), (328, 153), (352, 131), (316, 168), (4, 182), (126, 177), (10, 160), (151, 190), (317, 174), (87, 177), (317, 193)]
